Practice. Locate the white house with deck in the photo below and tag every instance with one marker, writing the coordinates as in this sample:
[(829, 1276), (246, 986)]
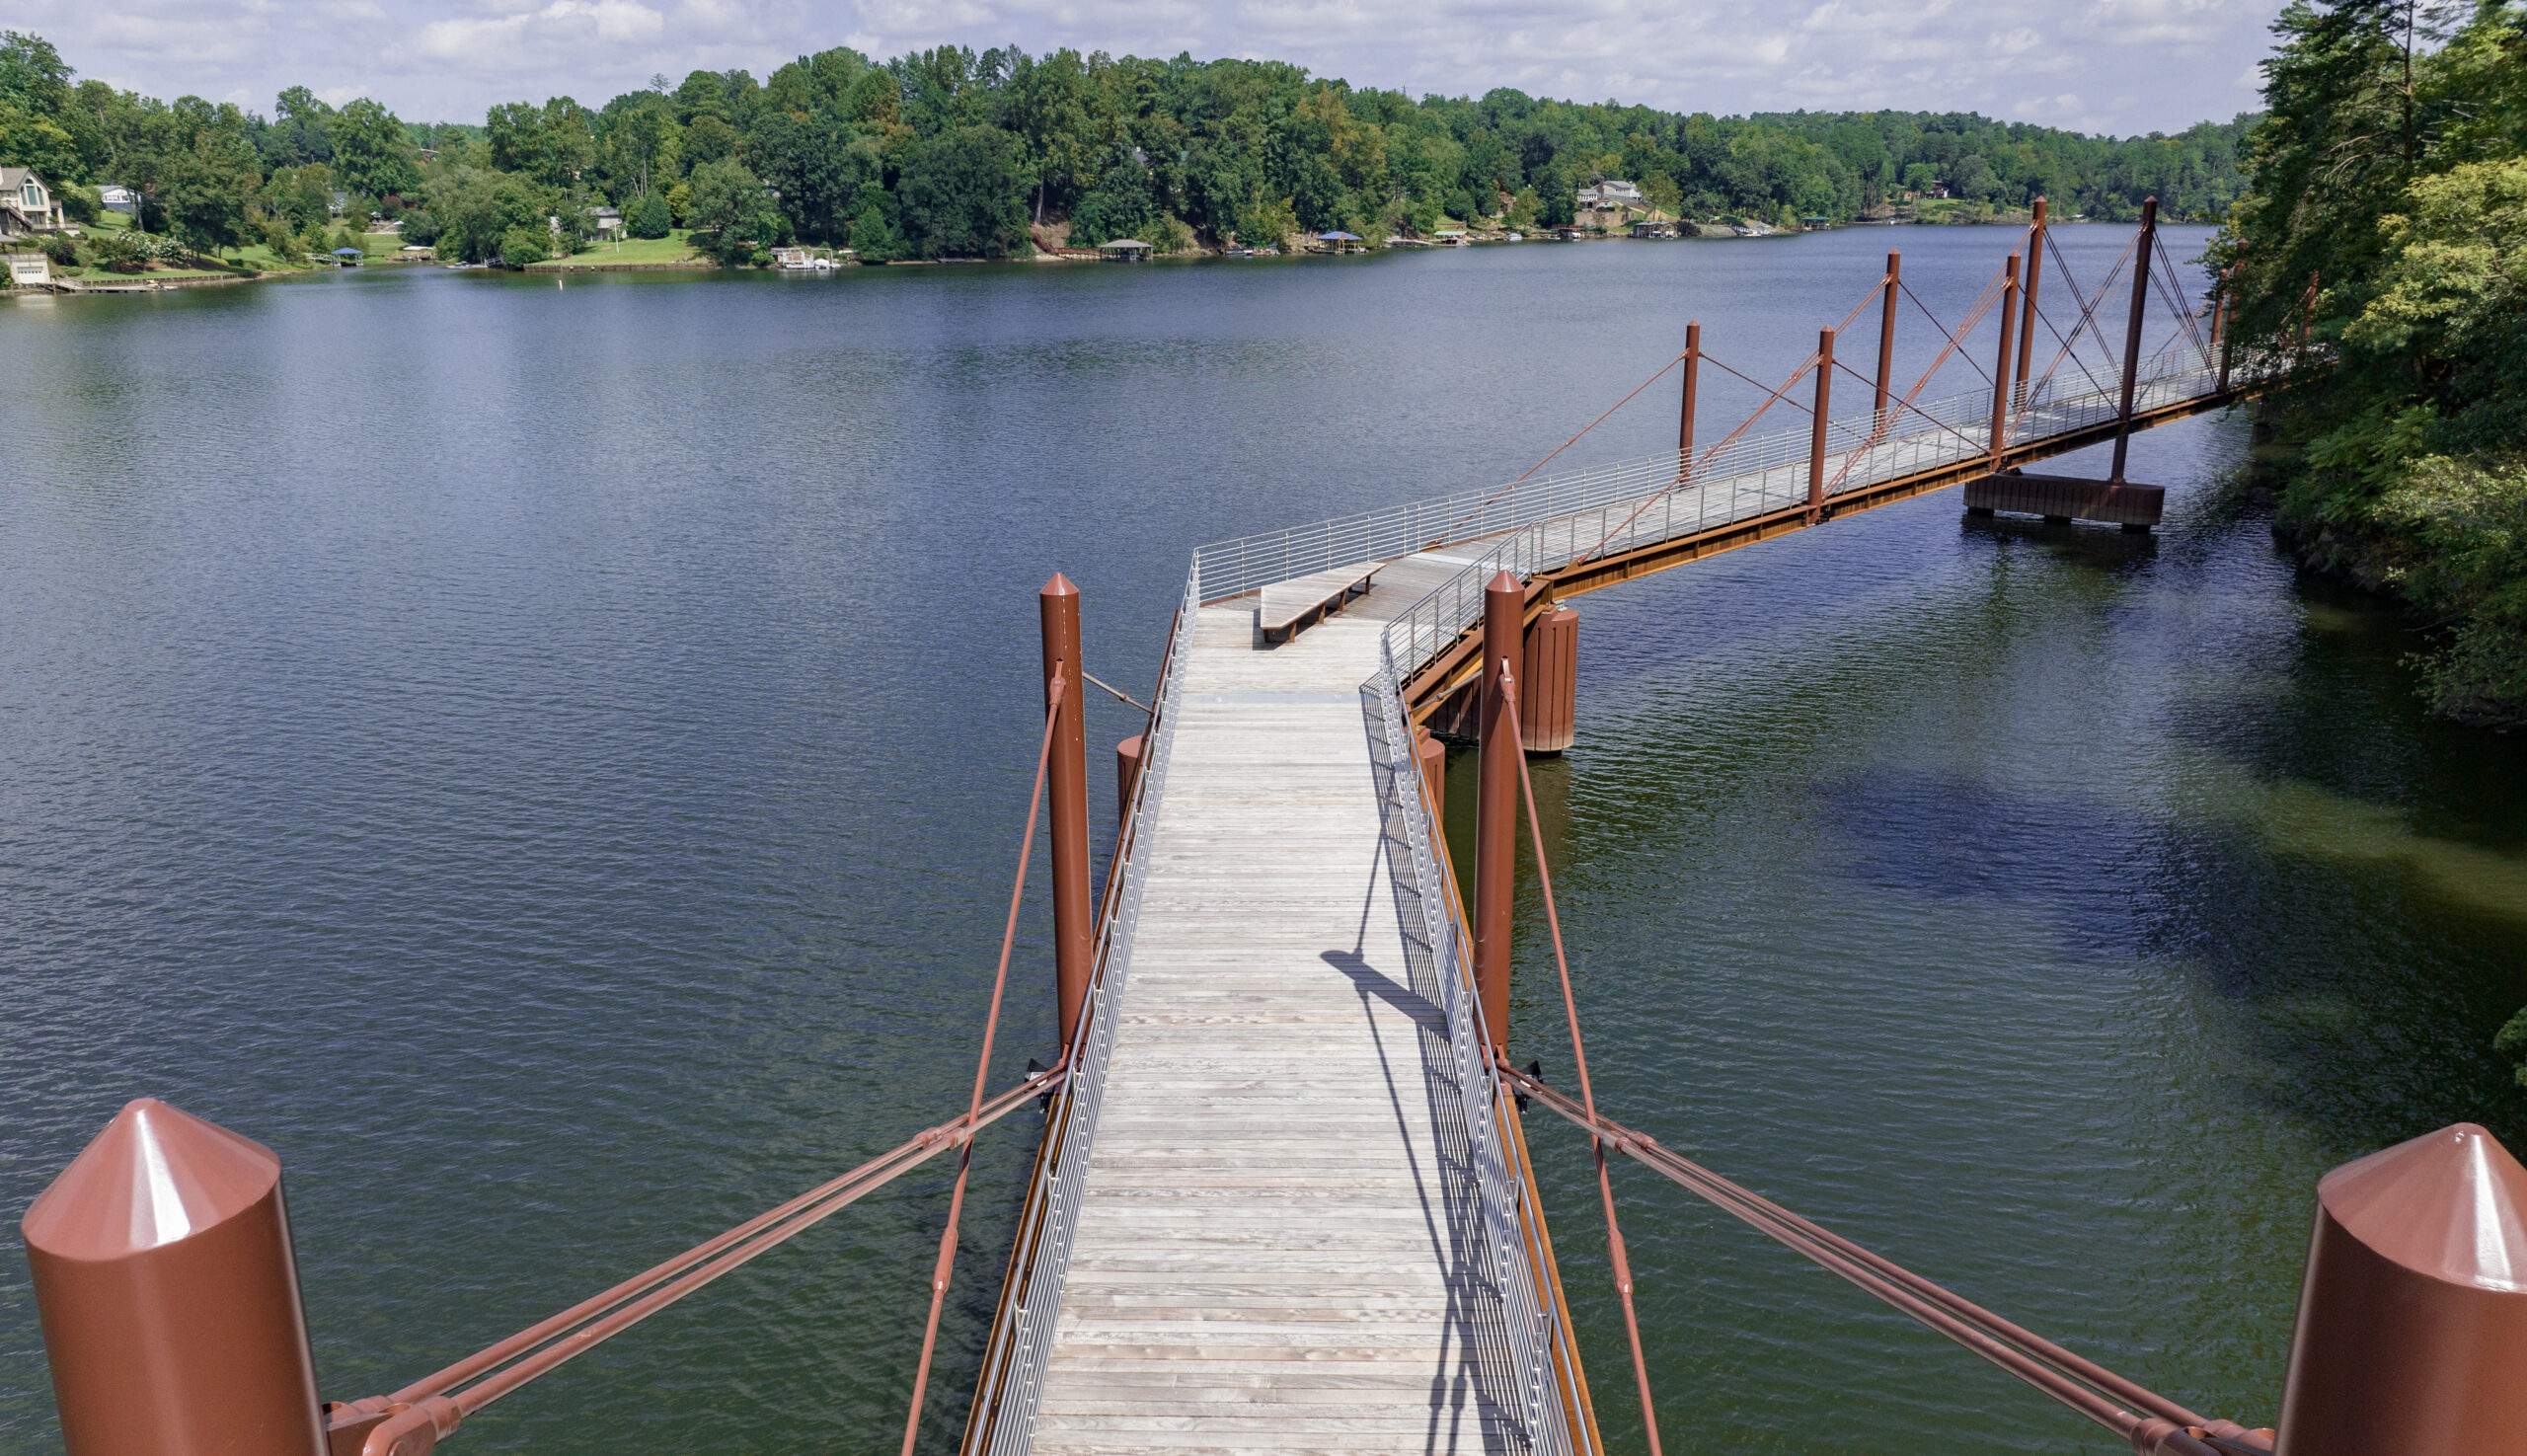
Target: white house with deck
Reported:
[(1611, 194), (26, 206)]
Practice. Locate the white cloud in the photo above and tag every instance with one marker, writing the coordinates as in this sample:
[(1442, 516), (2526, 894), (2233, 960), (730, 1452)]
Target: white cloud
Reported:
[(540, 39), (2166, 64)]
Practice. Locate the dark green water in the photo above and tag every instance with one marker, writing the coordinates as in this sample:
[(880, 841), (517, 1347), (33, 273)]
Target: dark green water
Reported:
[(547, 760)]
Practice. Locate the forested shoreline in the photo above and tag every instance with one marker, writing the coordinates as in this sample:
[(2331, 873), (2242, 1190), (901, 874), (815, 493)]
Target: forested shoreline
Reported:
[(2379, 261), (954, 153)]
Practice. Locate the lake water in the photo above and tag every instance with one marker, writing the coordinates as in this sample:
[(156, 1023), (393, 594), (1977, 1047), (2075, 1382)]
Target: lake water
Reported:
[(547, 759)]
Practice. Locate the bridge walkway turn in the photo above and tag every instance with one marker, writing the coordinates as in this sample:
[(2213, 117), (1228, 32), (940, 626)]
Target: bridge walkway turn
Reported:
[(1277, 1247)]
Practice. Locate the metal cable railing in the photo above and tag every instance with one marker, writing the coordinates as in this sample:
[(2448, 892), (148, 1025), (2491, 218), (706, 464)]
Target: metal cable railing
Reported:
[(1753, 478), (1533, 1326), (1767, 468), (1022, 1336)]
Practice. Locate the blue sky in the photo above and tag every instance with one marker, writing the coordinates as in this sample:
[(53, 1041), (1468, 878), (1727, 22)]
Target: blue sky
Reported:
[(2098, 66)]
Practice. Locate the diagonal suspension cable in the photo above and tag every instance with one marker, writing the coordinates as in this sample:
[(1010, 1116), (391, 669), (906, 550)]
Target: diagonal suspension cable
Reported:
[(2172, 291), (2088, 311), (1983, 302), (1578, 1055), (1956, 341), (1480, 506), (443, 1399), (1055, 691), (1486, 501)]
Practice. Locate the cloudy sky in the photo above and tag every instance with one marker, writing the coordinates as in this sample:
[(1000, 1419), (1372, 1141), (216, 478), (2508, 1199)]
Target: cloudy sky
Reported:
[(2121, 67)]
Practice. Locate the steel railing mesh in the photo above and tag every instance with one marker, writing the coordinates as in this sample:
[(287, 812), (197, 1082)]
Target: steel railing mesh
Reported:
[(1509, 1223)]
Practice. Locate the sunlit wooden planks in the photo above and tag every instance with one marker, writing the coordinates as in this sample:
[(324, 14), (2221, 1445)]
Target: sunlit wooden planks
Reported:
[(1274, 1248)]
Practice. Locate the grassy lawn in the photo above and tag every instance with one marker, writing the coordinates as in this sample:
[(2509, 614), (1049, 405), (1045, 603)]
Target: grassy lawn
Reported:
[(263, 260), (675, 247), (105, 275)]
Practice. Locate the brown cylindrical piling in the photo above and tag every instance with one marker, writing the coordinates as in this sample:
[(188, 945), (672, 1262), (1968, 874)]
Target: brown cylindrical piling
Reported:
[(2412, 1337), (1430, 756), (169, 1295), (2144, 260), (2000, 366), (1128, 772), (1549, 694), (1886, 345), (2027, 309), (1817, 430), (1685, 411), (1066, 794), (2220, 323), (1496, 807)]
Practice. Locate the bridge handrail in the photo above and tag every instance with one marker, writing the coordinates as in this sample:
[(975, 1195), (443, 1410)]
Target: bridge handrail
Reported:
[(1532, 1326), (1003, 1419), (1765, 480), (1243, 564)]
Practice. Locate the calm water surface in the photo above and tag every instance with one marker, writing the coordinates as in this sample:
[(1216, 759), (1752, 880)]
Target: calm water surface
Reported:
[(544, 759)]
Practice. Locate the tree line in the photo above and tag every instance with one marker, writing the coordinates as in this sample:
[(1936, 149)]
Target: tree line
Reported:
[(2378, 262), (951, 152)]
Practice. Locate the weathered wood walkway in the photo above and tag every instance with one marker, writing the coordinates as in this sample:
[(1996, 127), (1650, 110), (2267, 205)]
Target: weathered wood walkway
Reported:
[(1275, 1247)]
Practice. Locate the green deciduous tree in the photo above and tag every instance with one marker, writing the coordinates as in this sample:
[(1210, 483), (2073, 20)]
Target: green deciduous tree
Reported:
[(32, 75), (370, 153), (523, 245), (649, 217), (960, 194), (729, 204)]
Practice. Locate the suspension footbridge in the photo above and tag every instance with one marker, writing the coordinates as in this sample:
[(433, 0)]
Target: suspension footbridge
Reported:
[(1281, 1202)]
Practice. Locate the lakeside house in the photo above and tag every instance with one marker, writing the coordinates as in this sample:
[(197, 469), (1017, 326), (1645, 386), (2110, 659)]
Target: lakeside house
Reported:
[(1613, 195), (26, 206), (116, 198), (606, 221), (1608, 205)]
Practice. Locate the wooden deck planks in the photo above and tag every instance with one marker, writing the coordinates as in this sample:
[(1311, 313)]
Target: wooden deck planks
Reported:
[(1274, 1250)]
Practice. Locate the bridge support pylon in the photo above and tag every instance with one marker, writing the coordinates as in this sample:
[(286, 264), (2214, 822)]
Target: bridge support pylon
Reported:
[(2060, 499), (1066, 796), (1496, 822), (1549, 695)]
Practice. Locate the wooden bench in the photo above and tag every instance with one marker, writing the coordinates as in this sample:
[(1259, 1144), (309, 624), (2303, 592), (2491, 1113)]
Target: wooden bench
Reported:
[(1287, 608)]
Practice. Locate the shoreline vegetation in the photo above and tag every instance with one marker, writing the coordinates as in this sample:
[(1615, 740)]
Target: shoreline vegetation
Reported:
[(2377, 265), (953, 154)]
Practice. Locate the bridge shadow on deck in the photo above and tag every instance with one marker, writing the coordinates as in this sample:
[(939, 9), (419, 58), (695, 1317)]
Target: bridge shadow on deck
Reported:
[(1479, 1374)]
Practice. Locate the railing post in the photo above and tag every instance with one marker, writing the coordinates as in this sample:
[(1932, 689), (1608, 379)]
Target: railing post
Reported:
[(2144, 258), (2220, 325), (1817, 432), (1066, 794), (1685, 414), (1496, 806), (1880, 424), (2001, 367), (2413, 1318), (169, 1294), (2027, 313)]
